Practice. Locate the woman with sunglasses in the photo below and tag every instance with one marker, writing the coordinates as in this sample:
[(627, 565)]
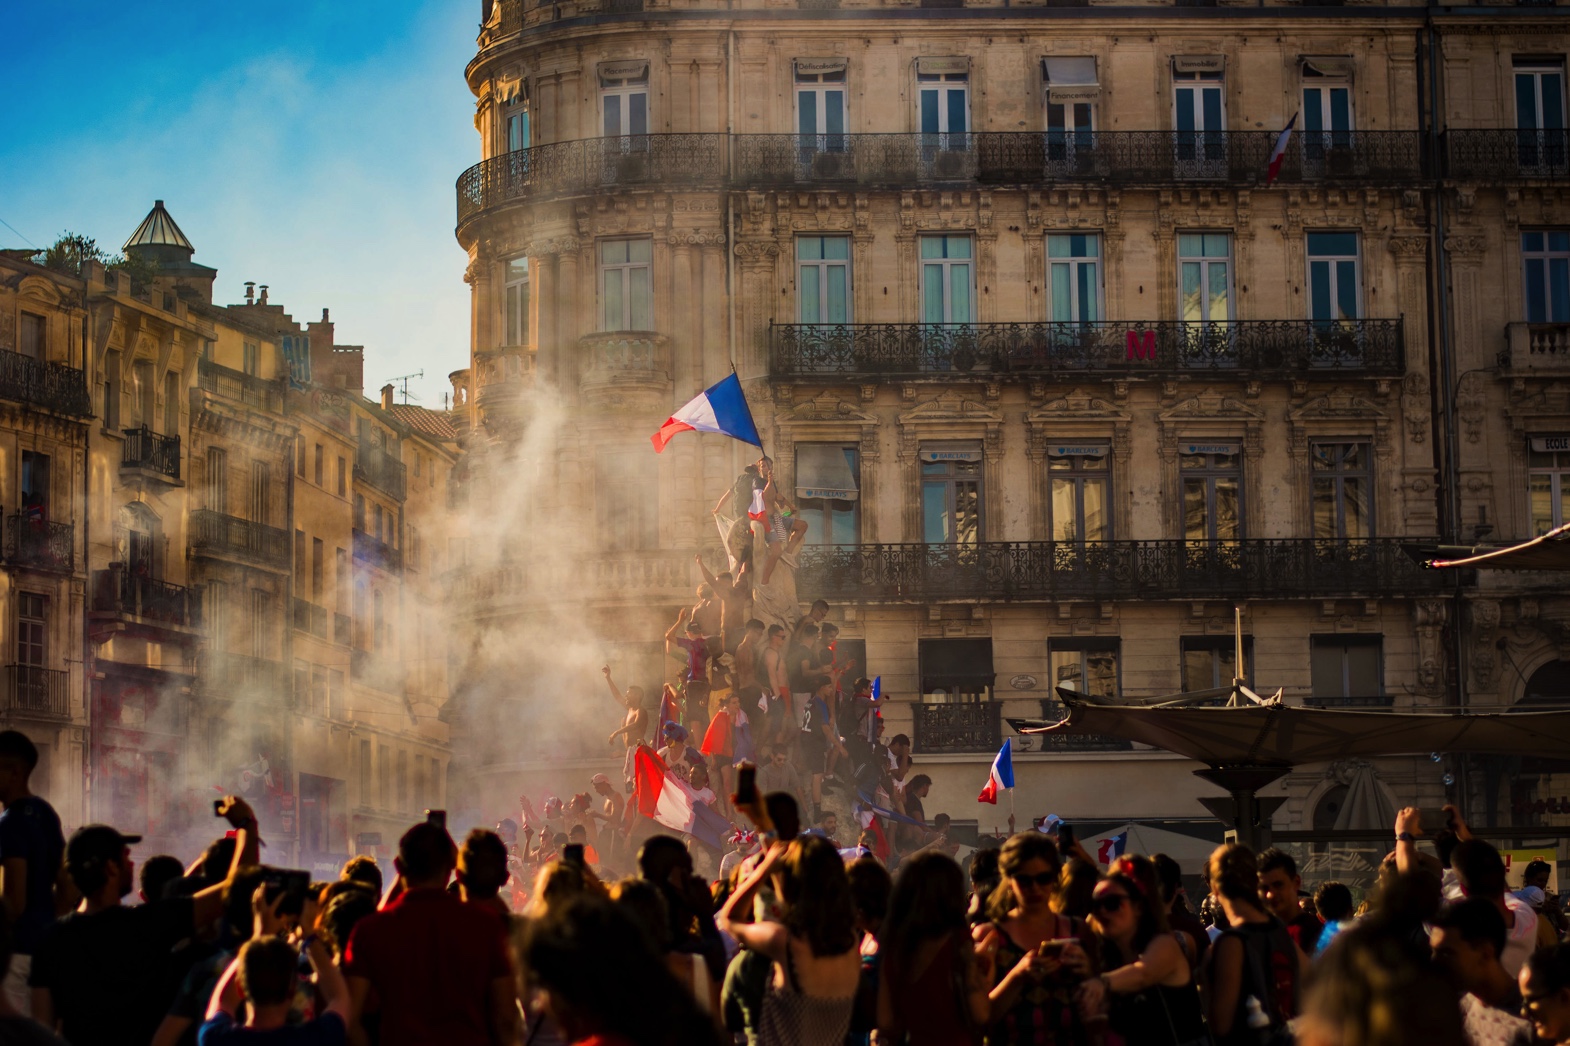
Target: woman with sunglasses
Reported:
[(1148, 989), (1254, 966), (1035, 973)]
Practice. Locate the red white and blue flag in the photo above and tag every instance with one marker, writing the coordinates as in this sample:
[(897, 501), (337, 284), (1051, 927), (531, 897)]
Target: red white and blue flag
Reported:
[(1001, 775), (722, 408), (1112, 848), (669, 800), (1280, 151)]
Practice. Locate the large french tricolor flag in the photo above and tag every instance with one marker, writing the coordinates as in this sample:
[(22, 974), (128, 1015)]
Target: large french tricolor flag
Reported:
[(722, 408), (668, 799), (1001, 775), (1280, 151)]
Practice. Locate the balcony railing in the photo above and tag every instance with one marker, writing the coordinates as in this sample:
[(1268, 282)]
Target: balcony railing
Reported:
[(958, 727), (367, 549), (1303, 349), (214, 533), (247, 389), (40, 544), (1505, 154), (1542, 348), (908, 160), (37, 691), (146, 449), (51, 385), (1264, 568), (380, 469), (238, 677), (310, 618), (118, 591)]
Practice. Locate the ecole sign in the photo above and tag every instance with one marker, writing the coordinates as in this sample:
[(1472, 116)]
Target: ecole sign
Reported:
[(1549, 444)]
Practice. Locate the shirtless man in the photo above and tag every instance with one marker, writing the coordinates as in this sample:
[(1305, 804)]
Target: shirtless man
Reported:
[(708, 611), (634, 726), (732, 595), (786, 532), (781, 715), (748, 683)]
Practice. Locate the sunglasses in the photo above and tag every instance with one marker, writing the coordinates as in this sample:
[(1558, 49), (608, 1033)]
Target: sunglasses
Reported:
[(1042, 879), (1109, 903)]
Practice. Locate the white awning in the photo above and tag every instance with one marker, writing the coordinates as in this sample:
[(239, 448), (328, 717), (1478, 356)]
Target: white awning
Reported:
[(823, 472), (1199, 63), (1067, 71), (815, 66), (943, 65)]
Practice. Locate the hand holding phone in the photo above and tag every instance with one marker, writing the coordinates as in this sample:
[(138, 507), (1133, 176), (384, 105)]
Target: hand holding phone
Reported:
[(746, 785), (437, 817)]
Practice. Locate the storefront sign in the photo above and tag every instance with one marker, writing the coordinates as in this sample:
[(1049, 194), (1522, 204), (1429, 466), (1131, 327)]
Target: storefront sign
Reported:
[(1082, 450), (1210, 448), (815, 66), (1548, 444)]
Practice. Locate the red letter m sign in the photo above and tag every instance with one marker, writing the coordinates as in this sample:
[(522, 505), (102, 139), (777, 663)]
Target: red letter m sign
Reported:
[(1142, 345)]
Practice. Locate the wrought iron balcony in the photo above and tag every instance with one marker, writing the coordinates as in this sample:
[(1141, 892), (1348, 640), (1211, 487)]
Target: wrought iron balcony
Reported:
[(368, 549), (973, 726), (912, 159), (146, 449), (1503, 154), (32, 541), (217, 534), (1300, 349), (380, 469), (239, 387), (37, 691), (310, 618), (1045, 571), (122, 592), (1537, 348), (50, 385)]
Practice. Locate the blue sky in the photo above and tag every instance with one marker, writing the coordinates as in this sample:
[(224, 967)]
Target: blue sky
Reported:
[(310, 146)]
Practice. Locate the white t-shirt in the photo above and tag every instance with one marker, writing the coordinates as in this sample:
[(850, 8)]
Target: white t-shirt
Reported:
[(1522, 941), (1486, 1026)]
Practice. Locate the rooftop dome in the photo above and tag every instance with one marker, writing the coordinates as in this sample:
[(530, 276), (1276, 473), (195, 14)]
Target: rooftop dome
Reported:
[(158, 230)]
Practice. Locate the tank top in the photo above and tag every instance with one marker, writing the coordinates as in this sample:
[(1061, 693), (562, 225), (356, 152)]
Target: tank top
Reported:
[(1045, 1014), (793, 1018), (932, 1007), (1269, 975), (1159, 1016)]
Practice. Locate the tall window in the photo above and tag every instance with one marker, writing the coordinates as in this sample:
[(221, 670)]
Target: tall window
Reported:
[(828, 496), (951, 494), (341, 578), (947, 280), (1205, 276), (1540, 112), (1089, 666), (214, 615), (1346, 666), (1548, 479), (515, 302), (624, 285), (626, 502), (1212, 477), (365, 773), (515, 125), (419, 782), (823, 279), (343, 477), (624, 99), (1327, 112), (1333, 279), (1081, 479), (299, 556), (1074, 269), (1199, 117), (260, 500), (1545, 257), (251, 358), (32, 629), (217, 479), (318, 554), (403, 779), (384, 774), (318, 467), (142, 393), (1071, 96), (111, 409), (1210, 662), (820, 107), (943, 100), (378, 622), (955, 670), (30, 336), (1343, 488), (35, 485), (261, 623), (171, 404)]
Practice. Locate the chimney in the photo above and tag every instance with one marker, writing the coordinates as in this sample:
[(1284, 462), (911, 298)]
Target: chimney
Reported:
[(250, 292), (263, 299), (324, 316), (387, 395)]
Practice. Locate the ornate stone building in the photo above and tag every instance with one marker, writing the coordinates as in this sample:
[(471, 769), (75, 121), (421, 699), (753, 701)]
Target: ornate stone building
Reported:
[(1059, 375)]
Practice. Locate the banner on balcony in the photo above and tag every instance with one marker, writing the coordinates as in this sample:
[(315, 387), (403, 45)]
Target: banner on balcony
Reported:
[(823, 471), (1199, 63), (1550, 444)]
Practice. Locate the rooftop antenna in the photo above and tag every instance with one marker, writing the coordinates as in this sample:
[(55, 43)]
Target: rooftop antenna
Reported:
[(404, 379)]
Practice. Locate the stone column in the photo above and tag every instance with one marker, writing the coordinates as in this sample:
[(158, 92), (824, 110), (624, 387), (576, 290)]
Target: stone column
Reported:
[(681, 320), (568, 322), (756, 269)]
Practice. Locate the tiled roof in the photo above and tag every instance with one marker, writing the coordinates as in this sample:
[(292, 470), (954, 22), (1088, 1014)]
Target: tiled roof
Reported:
[(422, 419)]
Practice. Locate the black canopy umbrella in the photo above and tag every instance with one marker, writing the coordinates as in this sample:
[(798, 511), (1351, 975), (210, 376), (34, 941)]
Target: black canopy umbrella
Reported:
[(1550, 551)]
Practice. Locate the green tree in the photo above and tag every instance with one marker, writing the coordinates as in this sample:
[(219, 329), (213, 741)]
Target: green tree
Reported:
[(70, 252)]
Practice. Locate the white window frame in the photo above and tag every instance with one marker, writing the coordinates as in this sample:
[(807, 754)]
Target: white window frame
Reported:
[(624, 89), (621, 271), (942, 85), (1537, 70), (1074, 266), (515, 302), (820, 86), (1547, 256), (1558, 476), (1205, 262), (820, 268), (1334, 261), (516, 130), (945, 265), (1199, 83)]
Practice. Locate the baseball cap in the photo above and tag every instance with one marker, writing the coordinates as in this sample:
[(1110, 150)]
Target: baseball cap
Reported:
[(599, 779), (96, 844)]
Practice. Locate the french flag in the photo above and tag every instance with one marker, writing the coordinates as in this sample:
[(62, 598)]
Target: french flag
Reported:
[(1112, 848), (1000, 776), (722, 408), (1280, 151), (669, 800)]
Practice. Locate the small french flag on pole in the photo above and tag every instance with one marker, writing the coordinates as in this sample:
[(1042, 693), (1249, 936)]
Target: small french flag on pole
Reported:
[(1001, 775), (722, 408), (1280, 151)]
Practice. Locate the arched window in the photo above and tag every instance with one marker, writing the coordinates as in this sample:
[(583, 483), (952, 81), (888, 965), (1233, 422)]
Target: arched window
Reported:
[(1549, 685)]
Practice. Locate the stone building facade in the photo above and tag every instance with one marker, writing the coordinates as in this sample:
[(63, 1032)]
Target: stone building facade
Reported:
[(1061, 377)]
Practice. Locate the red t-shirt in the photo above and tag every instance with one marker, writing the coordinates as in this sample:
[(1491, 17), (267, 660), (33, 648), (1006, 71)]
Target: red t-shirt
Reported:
[(430, 959)]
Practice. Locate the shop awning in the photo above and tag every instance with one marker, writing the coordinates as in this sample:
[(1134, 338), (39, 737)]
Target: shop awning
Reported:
[(1070, 80), (823, 472), (1274, 734), (1551, 551)]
